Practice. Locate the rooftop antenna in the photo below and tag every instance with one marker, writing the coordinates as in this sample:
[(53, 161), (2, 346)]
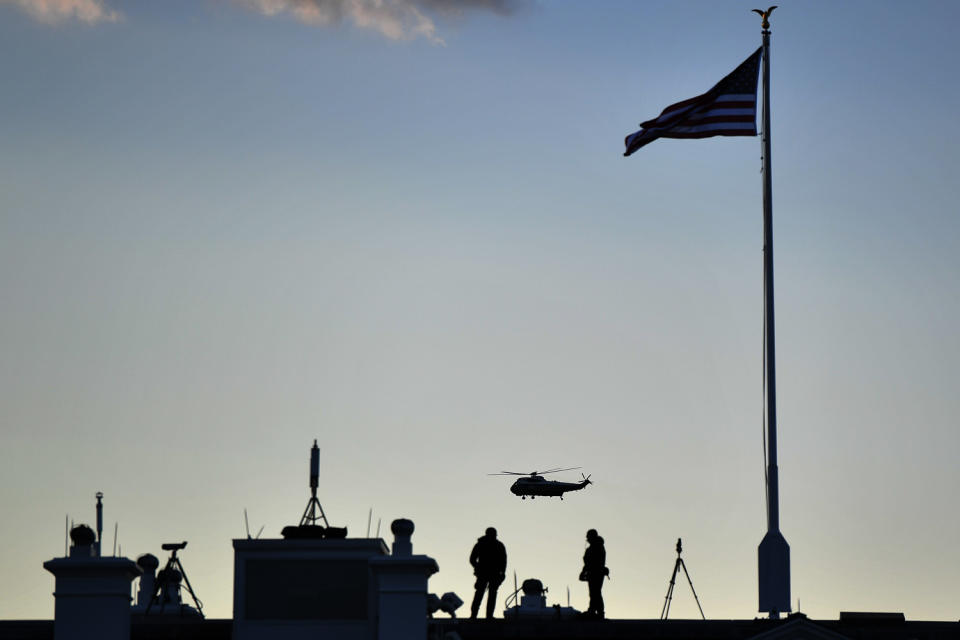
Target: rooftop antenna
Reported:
[(378, 526), (665, 612), (246, 523), (116, 525), (369, 518), (99, 520), (310, 516), (66, 535)]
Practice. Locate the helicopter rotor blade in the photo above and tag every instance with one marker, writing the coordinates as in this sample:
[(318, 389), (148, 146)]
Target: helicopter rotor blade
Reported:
[(532, 473), (558, 470)]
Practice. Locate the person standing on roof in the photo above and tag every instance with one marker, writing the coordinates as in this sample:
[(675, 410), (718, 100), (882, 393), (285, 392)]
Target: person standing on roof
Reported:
[(594, 571), (489, 562)]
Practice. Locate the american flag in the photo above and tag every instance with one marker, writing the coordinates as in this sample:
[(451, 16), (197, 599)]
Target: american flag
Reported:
[(728, 109)]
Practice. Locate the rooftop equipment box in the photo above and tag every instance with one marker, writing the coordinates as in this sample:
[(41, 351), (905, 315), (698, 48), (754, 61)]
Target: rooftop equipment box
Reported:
[(288, 588)]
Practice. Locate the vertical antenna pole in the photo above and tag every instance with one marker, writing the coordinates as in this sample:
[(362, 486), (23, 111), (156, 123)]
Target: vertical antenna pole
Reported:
[(99, 520), (314, 468), (310, 516), (774, 553), (314, 476)]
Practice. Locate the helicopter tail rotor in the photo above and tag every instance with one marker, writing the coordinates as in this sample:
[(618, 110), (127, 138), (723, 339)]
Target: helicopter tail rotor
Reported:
[(586, 479)]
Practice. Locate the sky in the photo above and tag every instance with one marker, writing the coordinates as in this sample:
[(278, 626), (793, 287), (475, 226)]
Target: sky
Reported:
[(405, 228)]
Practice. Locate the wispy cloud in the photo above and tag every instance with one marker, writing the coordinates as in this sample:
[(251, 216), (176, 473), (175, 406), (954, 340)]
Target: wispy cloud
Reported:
[(394, 19), (56, 11)]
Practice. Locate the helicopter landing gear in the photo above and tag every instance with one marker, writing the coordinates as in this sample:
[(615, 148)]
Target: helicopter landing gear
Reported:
[(523, 497)]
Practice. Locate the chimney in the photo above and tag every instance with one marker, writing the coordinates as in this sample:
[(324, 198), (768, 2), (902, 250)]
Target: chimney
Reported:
[(402, 530), (148, 563), (92, 594), (401, 581)]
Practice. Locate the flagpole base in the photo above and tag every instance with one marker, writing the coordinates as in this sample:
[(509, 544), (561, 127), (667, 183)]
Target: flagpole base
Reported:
[(773, 557)]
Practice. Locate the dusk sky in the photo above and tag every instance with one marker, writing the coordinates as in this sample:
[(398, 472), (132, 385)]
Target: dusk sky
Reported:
[(406, 228)]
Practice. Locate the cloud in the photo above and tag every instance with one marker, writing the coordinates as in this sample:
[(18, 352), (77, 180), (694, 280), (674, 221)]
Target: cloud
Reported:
[(394, 19), (56, 11)]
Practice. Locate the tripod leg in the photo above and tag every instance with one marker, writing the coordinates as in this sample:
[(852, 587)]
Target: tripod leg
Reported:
[(308, 514), (666, 601), (193, 595), (684, 565), (322, 514)]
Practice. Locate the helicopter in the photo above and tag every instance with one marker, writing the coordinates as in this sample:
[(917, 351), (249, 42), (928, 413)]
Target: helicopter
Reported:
[(533, 484)]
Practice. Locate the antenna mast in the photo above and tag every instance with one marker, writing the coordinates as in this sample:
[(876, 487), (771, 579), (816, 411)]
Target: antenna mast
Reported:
[(99, 520), (310, 514)]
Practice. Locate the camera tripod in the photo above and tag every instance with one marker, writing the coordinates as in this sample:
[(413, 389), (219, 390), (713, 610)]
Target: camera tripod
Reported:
[(673, 579), (169, 577)]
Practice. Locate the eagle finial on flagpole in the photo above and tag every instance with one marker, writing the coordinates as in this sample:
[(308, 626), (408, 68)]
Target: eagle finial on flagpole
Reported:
[(765, 15)]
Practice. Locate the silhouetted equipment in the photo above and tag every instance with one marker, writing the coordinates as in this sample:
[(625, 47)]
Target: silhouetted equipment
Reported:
[(166, 590), (82, 536), (99, 520), (148, 564), (313, 514), (530, 601), (533, 484), (448, 603), (533, 593), (313, 505), (246, 524), (665, 612), (532, 587)]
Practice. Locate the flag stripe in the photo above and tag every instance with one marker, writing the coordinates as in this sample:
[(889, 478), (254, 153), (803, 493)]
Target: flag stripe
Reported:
[(710, 134), (747, 120), (709, 126), (670, 113), (727, 109)]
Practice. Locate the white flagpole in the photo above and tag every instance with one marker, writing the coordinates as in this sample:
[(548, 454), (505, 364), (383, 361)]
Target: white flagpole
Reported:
[(773, 554)]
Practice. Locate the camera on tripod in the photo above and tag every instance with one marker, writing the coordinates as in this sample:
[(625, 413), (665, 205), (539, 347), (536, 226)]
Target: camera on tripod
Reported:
[(170, 579), (679, 564)]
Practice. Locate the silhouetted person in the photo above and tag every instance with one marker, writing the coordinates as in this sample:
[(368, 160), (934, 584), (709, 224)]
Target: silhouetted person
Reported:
[(489, 561), (594, 571)]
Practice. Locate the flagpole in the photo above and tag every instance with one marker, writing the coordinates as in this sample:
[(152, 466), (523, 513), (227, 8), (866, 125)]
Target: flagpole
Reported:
[(773, 554)]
